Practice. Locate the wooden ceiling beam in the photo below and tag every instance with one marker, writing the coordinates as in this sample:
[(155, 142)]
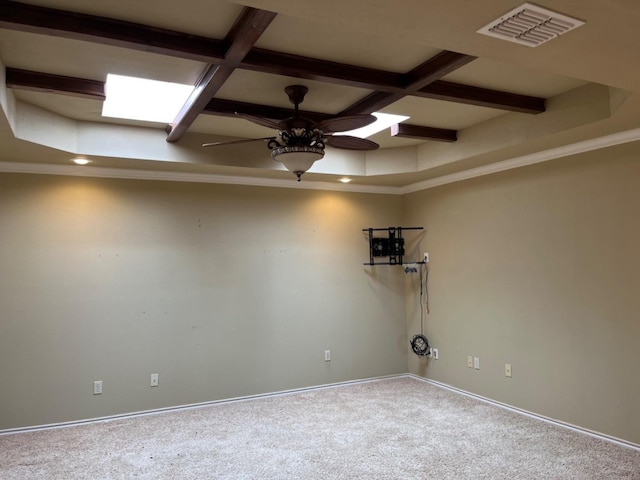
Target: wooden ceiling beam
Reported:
[(483, 97), (92, 89), (406, 130), (268, 61), (237, 51), (231, 108), (428, 72), (372, 103), (439, 90), (434, 69), (45, 82), (107, 31), (248, 28)]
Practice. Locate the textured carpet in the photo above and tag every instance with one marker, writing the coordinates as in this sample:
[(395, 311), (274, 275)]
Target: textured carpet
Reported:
[(399, 428)]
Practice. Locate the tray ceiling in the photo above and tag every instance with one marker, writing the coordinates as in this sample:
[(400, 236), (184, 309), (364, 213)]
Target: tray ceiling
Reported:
[(498, 99)]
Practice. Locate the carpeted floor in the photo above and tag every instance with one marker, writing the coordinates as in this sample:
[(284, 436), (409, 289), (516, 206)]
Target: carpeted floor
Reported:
[(399, 428)]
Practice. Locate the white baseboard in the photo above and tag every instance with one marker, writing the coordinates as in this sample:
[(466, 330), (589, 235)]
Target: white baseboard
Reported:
[(602, 436), (109, 418), (575, 428)]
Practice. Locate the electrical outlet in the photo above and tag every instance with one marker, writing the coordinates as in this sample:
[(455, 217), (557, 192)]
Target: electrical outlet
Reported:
[(476, 363), (327, 355), (154, 380), (426, 257), (507, 370), (434, 354), (469, 361), (97, 387)]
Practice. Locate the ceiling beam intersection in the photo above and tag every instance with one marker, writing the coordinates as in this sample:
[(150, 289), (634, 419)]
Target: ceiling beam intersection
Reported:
[(428, 72), (267, 61), (434, 69), (248, 28)]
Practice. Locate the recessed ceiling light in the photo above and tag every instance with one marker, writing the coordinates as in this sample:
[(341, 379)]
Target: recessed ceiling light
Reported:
[(384, 120), (143, 99), (345, 180), (81, 161)]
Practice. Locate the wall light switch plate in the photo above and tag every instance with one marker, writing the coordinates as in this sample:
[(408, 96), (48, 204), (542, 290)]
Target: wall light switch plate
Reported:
[(97, 387), (155, 381), (507, 370), (327, 355), (434, 354), (469, 361), (476, 363)]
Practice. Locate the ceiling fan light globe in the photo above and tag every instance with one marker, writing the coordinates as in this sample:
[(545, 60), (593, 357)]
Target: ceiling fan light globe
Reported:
[(297, 159)]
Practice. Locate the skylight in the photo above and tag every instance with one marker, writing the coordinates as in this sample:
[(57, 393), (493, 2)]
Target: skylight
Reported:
[(142, 99), (384, 120)]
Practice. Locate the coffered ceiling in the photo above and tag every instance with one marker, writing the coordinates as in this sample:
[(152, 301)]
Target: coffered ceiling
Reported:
[(472, 100)]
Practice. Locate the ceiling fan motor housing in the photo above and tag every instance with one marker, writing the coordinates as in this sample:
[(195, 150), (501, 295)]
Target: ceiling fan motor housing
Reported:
[(296, 93), (301, 137)]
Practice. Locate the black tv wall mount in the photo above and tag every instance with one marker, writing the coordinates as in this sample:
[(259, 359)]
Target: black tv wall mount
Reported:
[(390, 246)]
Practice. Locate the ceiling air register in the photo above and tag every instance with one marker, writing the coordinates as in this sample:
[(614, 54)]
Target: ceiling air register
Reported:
[(530, 25)]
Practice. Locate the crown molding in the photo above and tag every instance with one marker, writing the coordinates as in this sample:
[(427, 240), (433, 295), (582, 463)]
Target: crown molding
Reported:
[(127, 174), (524, 160), (516, 162)]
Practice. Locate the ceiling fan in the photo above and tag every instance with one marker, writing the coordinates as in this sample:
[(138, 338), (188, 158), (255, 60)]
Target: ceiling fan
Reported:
[(301, 141)]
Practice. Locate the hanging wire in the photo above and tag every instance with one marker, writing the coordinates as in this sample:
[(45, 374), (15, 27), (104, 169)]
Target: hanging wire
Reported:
[(426, 287), (424, 293), (419, 343), (421, 305)]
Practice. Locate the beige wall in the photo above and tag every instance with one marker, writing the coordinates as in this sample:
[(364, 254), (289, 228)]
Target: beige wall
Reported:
[(228, 291), (539, 267), (223, 290)]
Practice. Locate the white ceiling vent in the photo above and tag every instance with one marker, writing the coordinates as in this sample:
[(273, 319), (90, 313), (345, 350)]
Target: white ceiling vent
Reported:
[(530, 25)]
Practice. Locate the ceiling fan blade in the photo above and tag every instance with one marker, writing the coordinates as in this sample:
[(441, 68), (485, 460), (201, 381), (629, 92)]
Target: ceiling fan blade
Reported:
[(344, 124), (263, 121), (348, 142), (232, 142)]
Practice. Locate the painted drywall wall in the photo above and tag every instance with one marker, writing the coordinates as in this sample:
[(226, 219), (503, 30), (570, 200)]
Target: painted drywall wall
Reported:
[(224, 291), (538, 267)]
